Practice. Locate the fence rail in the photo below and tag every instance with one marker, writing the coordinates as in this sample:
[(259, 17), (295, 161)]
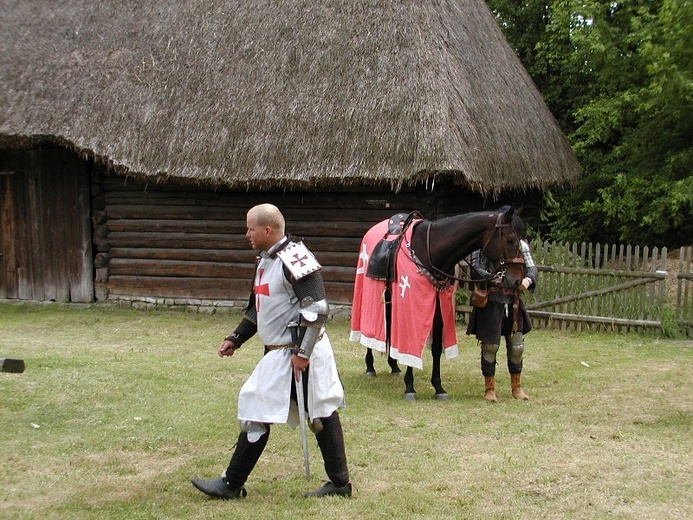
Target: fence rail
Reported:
[(609, 287)]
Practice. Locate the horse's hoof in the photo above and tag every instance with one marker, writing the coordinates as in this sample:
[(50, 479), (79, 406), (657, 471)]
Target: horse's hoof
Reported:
[(410, 396), (370, 374), (395, 371), (441, 397)]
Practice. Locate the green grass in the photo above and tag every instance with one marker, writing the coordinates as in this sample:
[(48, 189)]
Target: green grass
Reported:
[(118, 409)]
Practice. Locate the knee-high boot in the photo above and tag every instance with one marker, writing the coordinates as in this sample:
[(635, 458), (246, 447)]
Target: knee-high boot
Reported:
[(331, 442), (244, 458)]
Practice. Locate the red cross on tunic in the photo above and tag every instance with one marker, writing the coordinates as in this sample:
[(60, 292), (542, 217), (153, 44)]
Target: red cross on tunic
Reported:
[(261, 288)]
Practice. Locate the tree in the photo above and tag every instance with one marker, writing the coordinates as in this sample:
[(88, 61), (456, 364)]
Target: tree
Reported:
[(618, 77)]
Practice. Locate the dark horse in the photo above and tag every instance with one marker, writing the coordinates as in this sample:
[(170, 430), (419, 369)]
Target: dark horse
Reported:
[(438, 247)]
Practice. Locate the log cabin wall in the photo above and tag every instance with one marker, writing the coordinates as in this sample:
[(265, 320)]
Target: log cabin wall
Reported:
[(178, 242), (182, 243)]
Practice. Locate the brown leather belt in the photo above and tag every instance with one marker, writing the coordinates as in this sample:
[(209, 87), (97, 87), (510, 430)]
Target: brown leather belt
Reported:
[(279, 347)]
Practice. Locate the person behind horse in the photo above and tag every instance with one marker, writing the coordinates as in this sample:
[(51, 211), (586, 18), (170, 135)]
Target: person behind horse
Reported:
[(504, 315), (288, 291)]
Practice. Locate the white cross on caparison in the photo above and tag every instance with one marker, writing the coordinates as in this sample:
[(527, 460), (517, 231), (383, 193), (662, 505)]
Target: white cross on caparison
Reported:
[(404, 285), (363, 256)]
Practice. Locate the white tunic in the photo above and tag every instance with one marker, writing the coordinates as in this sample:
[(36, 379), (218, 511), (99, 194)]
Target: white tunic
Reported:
[(266, 395)]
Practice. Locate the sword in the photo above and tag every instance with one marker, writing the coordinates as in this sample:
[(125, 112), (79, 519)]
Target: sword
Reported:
[(301, 402), (300, 399)]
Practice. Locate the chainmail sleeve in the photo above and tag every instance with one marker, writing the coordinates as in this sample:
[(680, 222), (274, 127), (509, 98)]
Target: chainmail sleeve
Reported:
[(479, 271), (310, 291), (531, 270), (310, 285)]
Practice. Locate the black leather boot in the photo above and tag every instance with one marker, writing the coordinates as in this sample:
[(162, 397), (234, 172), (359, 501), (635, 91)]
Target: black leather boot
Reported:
[(218, 488), (244, 458), (331, 442), (329, 489)]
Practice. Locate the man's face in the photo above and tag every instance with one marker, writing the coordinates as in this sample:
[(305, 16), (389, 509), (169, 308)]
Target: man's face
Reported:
[(259, 236)]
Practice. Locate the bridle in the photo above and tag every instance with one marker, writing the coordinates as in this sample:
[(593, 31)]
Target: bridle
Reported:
[(500, 270)]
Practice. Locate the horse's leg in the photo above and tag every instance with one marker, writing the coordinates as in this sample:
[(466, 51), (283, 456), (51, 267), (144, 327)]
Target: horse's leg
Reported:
[(437, 352), (409, 392), (370, 369), (394, 367)]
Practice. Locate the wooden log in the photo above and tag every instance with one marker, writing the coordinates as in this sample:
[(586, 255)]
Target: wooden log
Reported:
[(145, 268), (594, 319), (101, 260), (178, 240), (334, 244), (200, 255), (231, 227), (339, 274), (337, 259), (101, 231), (179, 287), (339, 293), (100, 291), (99, 217)]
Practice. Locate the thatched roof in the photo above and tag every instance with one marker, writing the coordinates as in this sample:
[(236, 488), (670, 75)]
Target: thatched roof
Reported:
[(284, 93)]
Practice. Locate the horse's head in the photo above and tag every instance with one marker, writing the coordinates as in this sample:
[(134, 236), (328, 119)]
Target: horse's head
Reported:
[(501, 245)]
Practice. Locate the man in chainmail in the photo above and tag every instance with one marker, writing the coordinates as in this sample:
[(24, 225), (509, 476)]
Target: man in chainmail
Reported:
[(504, 315), (288, 310)]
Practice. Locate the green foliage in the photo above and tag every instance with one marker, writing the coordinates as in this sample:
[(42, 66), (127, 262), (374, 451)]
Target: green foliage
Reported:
[(670, 326), (618, 77)]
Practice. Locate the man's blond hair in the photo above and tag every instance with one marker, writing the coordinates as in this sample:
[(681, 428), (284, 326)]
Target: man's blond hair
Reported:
[(268, 215)]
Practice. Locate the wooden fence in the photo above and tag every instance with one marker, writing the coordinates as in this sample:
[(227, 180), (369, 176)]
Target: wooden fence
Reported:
[(610, 288), (684, 291)]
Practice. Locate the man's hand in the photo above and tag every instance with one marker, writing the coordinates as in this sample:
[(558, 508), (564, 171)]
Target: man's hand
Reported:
[(227, 348), (526, 282), (299, 364)]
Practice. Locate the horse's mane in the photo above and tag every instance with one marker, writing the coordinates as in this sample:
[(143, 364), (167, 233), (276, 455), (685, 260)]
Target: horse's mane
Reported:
[(517, 224)]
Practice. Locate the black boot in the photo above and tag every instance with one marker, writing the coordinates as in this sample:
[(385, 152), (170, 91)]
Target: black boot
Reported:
[(244, 458), (329, 489), (218, 488), (331, 442)]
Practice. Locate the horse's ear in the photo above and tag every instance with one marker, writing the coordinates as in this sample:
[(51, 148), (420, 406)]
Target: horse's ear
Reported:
[(507, 214), (518, 210)]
